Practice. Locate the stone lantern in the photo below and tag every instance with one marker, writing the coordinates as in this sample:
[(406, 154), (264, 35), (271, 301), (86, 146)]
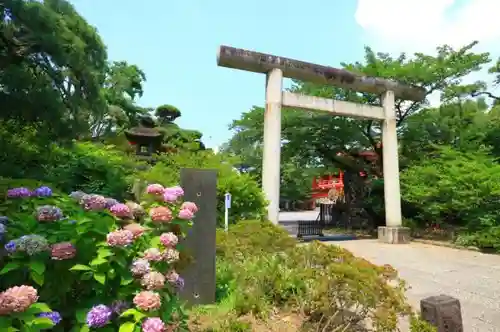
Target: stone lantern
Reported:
[(146, 137)]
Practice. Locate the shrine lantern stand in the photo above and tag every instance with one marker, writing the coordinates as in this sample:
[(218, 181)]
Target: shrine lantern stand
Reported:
[(145, 138)]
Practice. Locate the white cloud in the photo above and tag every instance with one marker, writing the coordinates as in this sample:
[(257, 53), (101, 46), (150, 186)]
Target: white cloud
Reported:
[(421, 25)]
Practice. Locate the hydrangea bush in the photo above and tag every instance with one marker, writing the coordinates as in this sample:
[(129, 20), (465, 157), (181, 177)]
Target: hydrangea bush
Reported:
[(93, 262)]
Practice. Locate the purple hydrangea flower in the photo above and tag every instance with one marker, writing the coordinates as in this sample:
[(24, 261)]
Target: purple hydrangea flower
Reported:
[(4, 220), (42, 192), (10, 247), (179, 284), (54, 316), (110, 202), (99, 316), (18, 192)]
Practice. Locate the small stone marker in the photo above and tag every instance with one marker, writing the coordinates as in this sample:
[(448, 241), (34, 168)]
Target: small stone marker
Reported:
[(443, 312), (200, 187)]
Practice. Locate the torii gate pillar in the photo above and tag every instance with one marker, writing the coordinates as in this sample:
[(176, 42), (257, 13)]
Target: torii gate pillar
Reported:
[(272, 143), (278, 67)]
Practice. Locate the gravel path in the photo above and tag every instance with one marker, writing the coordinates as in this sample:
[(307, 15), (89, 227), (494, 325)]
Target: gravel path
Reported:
[(472, 277)]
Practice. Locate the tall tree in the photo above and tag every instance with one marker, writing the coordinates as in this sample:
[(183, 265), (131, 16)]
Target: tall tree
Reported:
[(122, 87), (52, 65)]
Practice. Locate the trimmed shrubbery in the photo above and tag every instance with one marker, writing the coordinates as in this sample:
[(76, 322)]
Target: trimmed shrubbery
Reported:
[(268, 282)]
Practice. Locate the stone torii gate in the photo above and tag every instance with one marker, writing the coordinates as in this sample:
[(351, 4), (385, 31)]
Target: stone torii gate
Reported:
[(276, 68)]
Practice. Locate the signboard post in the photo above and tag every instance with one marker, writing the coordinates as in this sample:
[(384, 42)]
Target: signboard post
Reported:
[(227, 205)]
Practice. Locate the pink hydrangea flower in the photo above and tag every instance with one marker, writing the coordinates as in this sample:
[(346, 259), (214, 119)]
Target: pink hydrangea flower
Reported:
[(170, 197), (153, 280), (17, 299), (120, 238), (153, 254), (186, 214), (161, 214), (63, 250), (121, 211), (171, 255), (136, 229), (153, 324), (189, 206), (169, 239), (155, 189), (147, 301), (178, 191), (94, 202)]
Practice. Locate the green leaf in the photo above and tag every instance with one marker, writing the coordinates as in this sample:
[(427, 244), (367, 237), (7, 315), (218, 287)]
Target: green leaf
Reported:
[(9, 267), (37, 308), (100, 277), (37, 266), (38, 278), (98, 261), (85, 328), (87, 275), (155, 242), (42, 323), (111, 274), (80, 267), (127, 327), (104, 252), (138, 316), (5, 322), (81, 315), (107, 329), (126, 281)]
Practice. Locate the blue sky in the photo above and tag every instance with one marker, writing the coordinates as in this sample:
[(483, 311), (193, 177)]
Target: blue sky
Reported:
[(175, 42)]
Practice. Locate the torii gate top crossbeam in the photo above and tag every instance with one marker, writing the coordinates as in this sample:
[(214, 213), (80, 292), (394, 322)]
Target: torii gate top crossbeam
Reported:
[(237, 58)]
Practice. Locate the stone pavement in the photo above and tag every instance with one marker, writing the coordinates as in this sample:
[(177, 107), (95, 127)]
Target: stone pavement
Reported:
[(472, 277)]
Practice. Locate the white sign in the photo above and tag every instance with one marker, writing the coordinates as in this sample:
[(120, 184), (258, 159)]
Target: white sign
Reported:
[(227, 205), (228, 200)]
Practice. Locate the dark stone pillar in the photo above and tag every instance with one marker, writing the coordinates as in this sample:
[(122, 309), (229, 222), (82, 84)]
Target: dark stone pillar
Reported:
[(200, 187)]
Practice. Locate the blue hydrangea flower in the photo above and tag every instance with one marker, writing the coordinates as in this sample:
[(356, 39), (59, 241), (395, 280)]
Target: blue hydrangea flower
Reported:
[(42, 192), (4, 220), (54, 316), (11, 246), (3, 229)]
